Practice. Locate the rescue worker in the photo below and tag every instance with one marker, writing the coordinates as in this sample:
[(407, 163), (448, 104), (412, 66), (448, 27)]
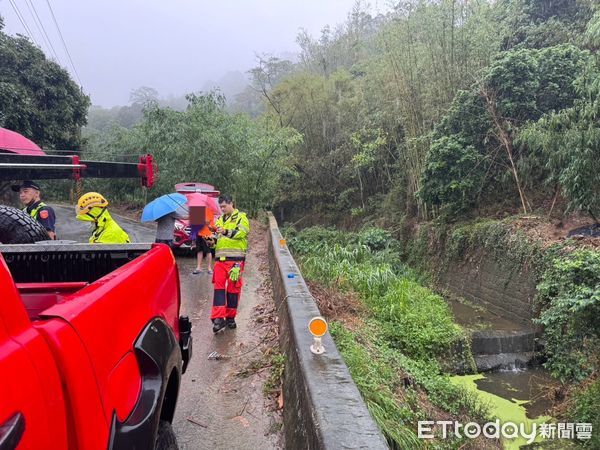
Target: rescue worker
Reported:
[(91, 207), (29, 194), (232, 229)]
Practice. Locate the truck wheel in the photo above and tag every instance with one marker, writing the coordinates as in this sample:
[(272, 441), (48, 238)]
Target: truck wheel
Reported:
[(17, 227), (166, 439)]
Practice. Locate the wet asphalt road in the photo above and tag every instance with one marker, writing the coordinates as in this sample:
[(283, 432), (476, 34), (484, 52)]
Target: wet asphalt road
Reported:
[(216, 408), (69, 228)]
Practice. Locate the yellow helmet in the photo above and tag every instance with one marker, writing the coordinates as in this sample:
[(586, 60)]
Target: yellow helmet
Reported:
[(90, 200)]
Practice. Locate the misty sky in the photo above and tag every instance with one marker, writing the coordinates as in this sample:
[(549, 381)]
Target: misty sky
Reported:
[(173, 46)]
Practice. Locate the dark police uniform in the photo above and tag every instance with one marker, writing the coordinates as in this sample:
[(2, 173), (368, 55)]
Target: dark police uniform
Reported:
[(41, 212), (44, 214)]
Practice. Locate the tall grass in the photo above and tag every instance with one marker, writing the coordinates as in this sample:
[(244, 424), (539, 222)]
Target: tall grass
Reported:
[(414, 318), (407, 328)]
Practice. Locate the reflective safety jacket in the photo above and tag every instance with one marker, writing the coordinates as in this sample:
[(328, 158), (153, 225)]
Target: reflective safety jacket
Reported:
[(232, 245), (108, 231), (35, 210), (43, 213)]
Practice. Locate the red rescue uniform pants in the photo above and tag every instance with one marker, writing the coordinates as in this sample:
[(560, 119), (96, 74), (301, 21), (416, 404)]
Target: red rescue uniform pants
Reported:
[(227, 292)]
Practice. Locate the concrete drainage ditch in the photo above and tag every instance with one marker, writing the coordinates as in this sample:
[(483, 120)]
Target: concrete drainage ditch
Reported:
[(503, 349)]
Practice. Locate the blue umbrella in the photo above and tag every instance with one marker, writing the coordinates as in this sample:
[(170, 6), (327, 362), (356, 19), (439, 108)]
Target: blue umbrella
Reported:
[(162, 206)]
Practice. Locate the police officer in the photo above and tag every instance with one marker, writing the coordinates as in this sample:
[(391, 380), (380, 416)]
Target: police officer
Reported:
[(29, 194)]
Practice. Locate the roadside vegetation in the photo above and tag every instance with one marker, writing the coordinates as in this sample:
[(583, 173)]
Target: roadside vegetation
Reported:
[(397, 347), (401, 342), (203, 143), (567, 303), (38, 98)]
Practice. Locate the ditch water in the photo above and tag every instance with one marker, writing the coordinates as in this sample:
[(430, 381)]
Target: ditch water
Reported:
[(515, 397), (515, 390), (529, 385)]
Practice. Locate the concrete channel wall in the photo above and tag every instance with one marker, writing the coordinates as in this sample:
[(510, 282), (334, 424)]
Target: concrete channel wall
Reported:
[(485, 276), (322, 406), (486, 282)]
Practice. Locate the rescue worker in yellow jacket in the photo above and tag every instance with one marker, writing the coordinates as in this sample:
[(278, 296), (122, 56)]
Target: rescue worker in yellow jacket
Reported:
[(232, 230), (92, 207)]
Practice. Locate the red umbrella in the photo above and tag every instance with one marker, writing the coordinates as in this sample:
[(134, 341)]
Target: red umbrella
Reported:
[(197, 199), (16, 143)]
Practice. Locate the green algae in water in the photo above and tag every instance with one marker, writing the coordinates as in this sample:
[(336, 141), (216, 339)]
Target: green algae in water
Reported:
[(505, 410)]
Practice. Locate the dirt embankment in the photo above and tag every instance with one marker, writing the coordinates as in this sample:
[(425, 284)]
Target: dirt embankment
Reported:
[(552, 231)]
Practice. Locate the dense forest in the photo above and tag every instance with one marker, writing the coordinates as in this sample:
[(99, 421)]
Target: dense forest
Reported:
[(435, 109), (38, 98), (444, 108)]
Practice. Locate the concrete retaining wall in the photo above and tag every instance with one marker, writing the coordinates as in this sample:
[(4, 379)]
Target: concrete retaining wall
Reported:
[(487, 283), (322, 406)]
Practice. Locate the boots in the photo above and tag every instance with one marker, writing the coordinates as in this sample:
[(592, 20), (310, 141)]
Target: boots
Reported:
[(218, 325)]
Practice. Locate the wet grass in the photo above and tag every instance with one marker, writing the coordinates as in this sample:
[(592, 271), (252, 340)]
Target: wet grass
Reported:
[(414, 318), (273, 383), (392, 350), (399, 391)]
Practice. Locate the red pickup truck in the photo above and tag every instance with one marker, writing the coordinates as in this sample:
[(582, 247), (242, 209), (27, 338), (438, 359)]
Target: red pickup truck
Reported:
[(92, 346)]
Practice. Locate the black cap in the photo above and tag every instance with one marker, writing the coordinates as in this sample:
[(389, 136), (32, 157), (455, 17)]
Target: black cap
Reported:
[(25, 184)]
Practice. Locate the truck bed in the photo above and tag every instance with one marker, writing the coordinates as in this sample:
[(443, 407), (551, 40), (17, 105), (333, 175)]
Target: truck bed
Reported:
[(98, 362), (47, 274), (48, 263)]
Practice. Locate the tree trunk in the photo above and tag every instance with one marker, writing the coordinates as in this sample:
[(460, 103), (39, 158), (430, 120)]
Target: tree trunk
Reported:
[(556, 191), (506, 140), (362, 195)]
